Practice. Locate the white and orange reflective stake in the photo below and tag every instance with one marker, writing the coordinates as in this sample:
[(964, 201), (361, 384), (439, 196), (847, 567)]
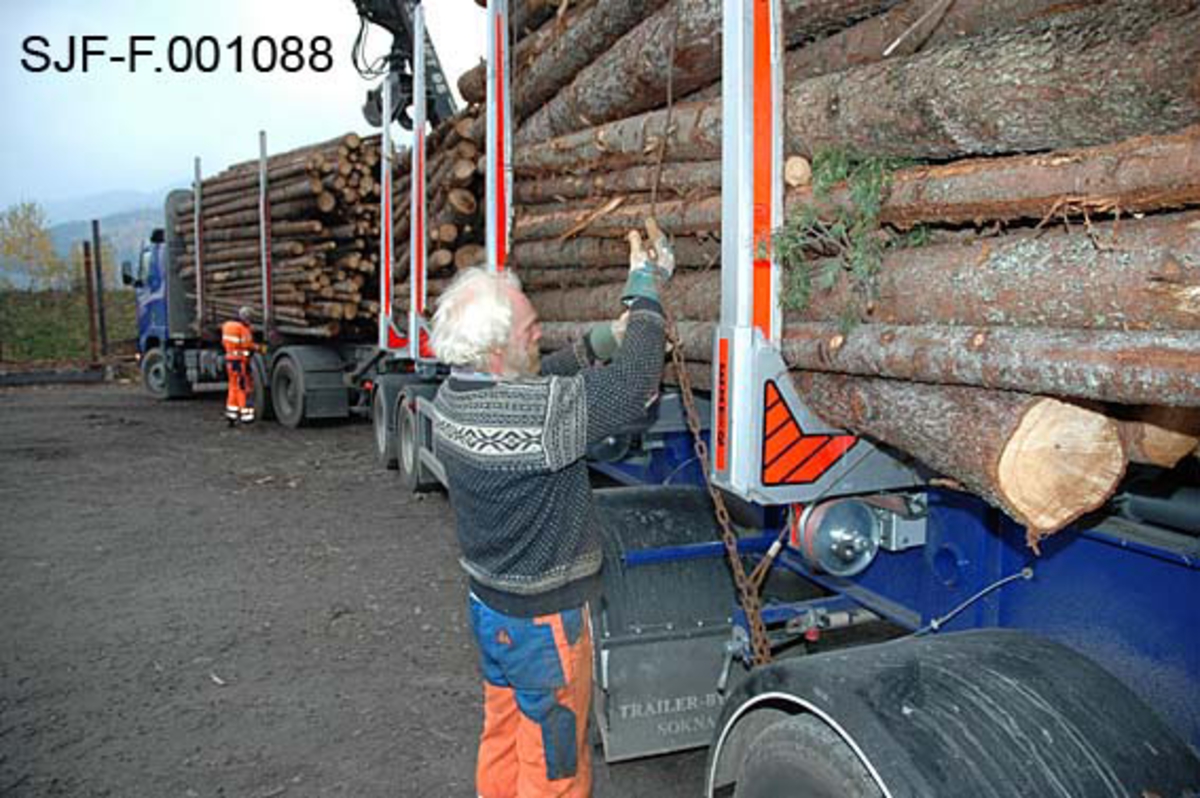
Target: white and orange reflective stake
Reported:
[(499, 139)]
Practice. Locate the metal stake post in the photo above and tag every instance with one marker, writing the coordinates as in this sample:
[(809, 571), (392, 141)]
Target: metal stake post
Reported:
[(264, 237), (91, 300), (99, 287), (416, 282), (385, 221), (499, 140), (197, 197)]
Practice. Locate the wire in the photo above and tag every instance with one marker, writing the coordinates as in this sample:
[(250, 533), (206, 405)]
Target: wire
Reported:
[(367, 69), (937, 623)]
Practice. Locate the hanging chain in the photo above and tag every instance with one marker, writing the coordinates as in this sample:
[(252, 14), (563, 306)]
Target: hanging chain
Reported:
[(748, 596), (747, 587)]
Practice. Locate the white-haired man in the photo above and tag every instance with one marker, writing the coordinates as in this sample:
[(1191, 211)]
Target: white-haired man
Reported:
[(512, 432)]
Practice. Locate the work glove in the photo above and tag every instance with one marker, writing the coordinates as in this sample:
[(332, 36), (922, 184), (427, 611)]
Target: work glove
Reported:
[(647, 268)]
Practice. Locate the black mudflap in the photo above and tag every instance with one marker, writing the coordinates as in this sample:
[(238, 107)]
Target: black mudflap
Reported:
[(661, 627)]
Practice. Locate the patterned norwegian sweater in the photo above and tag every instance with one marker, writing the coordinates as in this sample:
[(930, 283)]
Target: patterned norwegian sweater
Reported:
[(514, 450)]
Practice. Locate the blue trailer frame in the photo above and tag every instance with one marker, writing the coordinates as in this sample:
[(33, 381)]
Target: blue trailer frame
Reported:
[(1126, 595)]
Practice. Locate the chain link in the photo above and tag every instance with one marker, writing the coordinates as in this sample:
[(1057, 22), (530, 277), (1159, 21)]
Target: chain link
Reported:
[(760, 644)]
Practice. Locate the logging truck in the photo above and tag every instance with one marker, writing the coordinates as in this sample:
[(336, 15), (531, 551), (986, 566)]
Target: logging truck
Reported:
[(287, 236), (297, 378), (944, 582)]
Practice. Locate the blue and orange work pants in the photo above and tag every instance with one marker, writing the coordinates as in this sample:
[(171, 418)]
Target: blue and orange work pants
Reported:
[(537, 692), (239, 402)]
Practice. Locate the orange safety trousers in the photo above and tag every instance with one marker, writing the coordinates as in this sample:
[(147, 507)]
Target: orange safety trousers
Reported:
[(537, 694), (239, 342), (239, 401)]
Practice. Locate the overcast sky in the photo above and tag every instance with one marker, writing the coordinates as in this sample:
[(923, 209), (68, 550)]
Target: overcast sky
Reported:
[(72, 134)]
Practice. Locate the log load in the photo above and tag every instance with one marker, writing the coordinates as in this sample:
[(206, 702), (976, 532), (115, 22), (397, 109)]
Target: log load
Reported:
[(632, 75), (1134, 275), (1139, 175), (551, 57), (324, 205), (905, 29), (1131, 67), (1029, 361)]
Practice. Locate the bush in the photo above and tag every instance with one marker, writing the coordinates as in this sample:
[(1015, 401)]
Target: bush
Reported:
[(53, 325)]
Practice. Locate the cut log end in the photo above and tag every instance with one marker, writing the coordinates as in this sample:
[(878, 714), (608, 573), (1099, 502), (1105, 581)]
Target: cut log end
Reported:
[(1061, 462), (797, 172), (1161, 436)]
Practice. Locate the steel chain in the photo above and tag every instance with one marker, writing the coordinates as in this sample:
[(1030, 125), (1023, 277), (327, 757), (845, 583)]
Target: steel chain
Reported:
[(748, 597)]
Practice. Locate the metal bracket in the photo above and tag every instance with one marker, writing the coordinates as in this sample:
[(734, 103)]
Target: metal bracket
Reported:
[(767, 445)]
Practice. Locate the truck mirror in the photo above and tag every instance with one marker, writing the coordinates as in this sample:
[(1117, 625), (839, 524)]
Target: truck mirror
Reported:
[(127, 272)]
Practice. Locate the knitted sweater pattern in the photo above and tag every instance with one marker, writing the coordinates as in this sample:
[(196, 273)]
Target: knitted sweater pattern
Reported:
[(513, 451)]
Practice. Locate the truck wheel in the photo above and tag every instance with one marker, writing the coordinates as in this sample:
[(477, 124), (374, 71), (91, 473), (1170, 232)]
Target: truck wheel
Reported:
[(154, 373), (414, 476), (385, 441), (159, 381), (287, 392), (801, 755)]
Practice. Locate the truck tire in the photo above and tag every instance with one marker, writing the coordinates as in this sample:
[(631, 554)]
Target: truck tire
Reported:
[(801, 755), (287, 392), (154, 373), (159, 381), (385, 439), (414, 476)]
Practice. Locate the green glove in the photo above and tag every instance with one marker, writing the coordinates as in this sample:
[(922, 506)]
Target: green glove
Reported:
[(602, 340), (642, 281)]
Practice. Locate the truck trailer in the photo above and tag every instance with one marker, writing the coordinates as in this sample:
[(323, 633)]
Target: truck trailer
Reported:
[(825, 613)]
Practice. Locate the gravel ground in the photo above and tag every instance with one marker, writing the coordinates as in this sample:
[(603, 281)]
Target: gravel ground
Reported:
[(188, 610)]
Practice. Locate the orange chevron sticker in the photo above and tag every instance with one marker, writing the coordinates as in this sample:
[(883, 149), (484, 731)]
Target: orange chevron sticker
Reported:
[(789, 456)]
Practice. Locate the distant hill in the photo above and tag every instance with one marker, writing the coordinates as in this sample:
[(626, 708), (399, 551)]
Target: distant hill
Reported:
[(98, 206), (125, 232)]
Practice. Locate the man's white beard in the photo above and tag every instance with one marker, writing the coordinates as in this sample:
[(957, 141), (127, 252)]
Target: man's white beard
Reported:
[(524, 363)]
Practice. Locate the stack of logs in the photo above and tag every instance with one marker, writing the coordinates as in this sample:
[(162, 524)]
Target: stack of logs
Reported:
[(324, 206), (324, 233), (454, 199), (1049, 331)]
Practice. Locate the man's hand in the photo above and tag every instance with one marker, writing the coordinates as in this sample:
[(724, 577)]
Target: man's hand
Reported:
[(663, 256), (647, 268)]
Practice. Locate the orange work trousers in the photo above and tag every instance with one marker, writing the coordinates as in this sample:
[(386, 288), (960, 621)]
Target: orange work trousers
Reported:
[(239, 402), (537, 694)]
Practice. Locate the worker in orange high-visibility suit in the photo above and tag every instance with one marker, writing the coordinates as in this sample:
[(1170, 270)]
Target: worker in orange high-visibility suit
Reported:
[(239, 346)]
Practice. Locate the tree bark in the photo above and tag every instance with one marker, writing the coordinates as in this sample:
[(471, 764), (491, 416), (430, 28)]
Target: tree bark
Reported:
[(631, 76), (677, 178), (695, 136), (692, 295), (866, 42), (1157, 368), (1142, 174), (1131, 68), (1135, 275), (601, 252), (1138, 275), (1042, 461)]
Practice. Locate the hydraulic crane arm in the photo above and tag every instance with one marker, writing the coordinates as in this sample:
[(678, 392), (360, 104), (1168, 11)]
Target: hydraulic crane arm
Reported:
[(396, 16)]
